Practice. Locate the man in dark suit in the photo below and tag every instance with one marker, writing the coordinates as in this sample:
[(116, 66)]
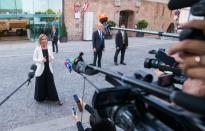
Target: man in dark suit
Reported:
[(121, 41), (98, 44), (54, 38)]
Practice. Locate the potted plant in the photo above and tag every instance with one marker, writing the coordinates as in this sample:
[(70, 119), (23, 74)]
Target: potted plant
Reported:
[(141, 24), (111, 24), (63, 37)]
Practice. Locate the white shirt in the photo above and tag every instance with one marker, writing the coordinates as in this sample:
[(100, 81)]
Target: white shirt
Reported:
[(100, 33)]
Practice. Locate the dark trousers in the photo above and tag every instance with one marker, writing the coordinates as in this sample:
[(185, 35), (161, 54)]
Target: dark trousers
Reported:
[(55, 45), (122, 55), (97, 55)]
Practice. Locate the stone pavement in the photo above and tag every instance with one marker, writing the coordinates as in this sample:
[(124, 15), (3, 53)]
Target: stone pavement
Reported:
[(22, 113)]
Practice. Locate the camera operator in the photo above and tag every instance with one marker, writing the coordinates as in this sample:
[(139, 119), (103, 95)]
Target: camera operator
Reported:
[(96, 122), (192, 52)]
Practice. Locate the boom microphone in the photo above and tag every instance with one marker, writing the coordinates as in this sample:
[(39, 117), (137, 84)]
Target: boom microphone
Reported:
[(77, 100), (178, 4)]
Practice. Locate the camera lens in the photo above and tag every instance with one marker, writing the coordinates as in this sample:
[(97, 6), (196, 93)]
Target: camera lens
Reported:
[(151, 63)]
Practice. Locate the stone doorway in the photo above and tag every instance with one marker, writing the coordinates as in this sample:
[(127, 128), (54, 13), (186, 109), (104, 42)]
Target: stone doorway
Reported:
[(127, 18), (171, 28)]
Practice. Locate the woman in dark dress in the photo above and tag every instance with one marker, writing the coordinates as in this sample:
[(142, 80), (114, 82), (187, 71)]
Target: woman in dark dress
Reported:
[(45, 86)]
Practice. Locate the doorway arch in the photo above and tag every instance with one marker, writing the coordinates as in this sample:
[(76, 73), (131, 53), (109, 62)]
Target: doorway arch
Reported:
[(127, 18), (171, 28)]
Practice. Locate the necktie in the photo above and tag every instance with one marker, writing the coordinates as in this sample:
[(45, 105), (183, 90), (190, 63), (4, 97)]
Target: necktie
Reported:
[(100, 35)]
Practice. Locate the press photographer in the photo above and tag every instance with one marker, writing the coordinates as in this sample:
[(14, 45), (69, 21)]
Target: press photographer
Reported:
[(97, 124)]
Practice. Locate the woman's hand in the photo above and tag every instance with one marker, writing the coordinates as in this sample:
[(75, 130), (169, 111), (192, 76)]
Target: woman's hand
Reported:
[(44, 59)]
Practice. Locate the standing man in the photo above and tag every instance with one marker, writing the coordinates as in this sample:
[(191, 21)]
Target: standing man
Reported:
[(121, 41), (98, 44), (54, 38)]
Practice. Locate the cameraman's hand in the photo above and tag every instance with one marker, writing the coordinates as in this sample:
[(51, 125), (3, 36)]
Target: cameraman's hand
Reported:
[(179, 60), (76, 118), (190, 51), (194, 87)]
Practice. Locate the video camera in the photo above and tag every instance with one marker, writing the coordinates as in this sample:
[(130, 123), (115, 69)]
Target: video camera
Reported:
[(166, 64), (136, 104)]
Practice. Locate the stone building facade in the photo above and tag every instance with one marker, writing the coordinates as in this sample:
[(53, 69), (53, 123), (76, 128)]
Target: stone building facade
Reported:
[(159, 17)]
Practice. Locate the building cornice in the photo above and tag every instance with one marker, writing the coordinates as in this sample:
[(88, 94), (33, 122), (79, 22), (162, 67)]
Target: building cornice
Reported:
[(159, 1)]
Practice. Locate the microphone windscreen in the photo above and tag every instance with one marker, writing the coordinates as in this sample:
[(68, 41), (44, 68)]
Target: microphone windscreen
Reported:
[(80, 107), (178, 4), (33, 67), (31, 75)]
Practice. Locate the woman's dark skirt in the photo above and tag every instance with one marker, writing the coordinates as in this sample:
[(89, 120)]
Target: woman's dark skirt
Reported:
[(45, 87)]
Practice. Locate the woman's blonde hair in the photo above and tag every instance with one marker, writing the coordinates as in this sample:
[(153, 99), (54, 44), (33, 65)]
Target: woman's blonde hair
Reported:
[(40, 38)]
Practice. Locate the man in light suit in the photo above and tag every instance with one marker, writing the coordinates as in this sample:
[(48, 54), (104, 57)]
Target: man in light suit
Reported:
[(98, 44), (121, 41)]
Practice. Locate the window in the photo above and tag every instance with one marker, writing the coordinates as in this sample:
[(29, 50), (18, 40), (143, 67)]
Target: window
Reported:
[(117, 2)]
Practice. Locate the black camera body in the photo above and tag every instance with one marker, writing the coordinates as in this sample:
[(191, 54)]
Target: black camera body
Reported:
[(166, 64)]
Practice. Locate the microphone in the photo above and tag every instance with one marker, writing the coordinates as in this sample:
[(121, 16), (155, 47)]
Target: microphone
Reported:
[(103, 20), (33, 67), (31, 73), (77, 100), (79, 66), (79, 58), (68, 63), (178, 4)]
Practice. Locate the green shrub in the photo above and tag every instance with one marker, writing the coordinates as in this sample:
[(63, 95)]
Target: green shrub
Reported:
[(142, 24), (111, 23)]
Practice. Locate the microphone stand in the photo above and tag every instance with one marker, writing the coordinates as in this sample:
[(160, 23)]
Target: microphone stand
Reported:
[(28, 80), (86, 79)]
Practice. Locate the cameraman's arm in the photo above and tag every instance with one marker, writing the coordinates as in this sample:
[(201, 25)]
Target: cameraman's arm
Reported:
[(78, 123)]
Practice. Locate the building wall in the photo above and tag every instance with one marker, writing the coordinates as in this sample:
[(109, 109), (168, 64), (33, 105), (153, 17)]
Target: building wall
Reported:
[(156, 13)]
